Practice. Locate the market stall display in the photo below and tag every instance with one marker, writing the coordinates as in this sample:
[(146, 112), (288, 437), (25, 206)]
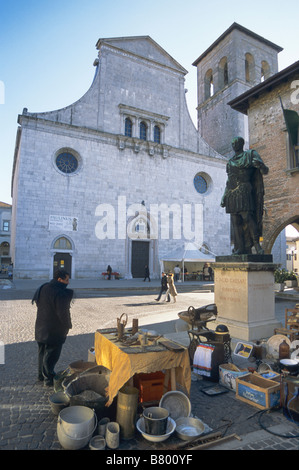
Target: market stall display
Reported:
[(128, 357)]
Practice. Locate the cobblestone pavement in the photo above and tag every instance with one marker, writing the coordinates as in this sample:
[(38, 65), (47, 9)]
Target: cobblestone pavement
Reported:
[(26, 420)]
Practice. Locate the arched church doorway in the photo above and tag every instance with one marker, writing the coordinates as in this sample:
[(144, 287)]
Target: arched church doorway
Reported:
[(141, 243), (62, 254)]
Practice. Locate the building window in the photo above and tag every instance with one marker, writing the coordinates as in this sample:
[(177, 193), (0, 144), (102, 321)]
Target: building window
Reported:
[(128, 127), (143, 131), (62, 243), (4, 249), (141, 228), (209, 85), (5, 227), (66, 162), (265, 71), (157, 134), (200, 184), (223, 73), (249, 68), (292, 136)]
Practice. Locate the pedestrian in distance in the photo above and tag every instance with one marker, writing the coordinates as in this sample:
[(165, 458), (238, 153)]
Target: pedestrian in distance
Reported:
[(53, 322), (146, 273), (164, 288), (171, 287), (109, 271), (177, 272)]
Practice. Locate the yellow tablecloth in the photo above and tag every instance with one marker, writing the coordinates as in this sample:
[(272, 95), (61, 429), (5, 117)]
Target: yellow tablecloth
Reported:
[(124, 365)]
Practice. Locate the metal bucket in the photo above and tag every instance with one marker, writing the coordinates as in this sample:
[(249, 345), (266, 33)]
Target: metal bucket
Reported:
[(80, 366), (155, 420), (59, 378), (127, 401), (75, 427), (58, 402), (89, 390)]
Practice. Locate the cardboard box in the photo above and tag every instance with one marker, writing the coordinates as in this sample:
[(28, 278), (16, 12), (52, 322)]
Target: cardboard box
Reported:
[(258, 391), (228, 374)]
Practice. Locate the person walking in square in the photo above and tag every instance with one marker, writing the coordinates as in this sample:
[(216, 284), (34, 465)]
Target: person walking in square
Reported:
[(171, 287), (53, 322), (164, 287), (146, 273)]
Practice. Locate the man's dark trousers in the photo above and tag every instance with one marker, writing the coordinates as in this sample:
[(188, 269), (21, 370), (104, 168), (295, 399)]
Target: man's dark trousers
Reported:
[(48, 355)]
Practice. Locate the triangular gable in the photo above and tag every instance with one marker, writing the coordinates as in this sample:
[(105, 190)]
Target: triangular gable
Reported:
[(143, 46)]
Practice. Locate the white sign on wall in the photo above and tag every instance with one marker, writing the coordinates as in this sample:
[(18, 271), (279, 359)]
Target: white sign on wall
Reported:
[(63, 223)]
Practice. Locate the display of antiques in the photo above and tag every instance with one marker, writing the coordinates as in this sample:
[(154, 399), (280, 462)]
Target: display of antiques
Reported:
[(264, 374)]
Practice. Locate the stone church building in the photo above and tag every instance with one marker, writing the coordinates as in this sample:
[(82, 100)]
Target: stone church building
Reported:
[(122, 176)]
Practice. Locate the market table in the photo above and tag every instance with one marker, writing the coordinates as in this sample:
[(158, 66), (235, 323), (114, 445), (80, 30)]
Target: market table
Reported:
[(124, 361)]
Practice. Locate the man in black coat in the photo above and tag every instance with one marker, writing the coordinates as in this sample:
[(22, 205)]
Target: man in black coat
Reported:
[(164, 288), (53, 322)]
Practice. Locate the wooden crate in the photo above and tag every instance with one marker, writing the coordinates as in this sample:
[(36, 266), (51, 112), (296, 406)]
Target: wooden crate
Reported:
[(150, 386), (258, 391), (270, 375)]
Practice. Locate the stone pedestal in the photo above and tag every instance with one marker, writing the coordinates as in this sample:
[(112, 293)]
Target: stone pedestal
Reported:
[(244, 295)]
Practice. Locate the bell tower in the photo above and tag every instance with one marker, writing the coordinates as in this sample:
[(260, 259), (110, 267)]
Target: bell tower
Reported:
[(238, 60)]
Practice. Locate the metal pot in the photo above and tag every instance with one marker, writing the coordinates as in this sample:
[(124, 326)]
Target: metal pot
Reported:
[(155, 420), (290, 365)]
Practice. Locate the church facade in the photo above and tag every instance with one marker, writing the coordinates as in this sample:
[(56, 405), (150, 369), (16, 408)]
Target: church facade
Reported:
[(120, 177)]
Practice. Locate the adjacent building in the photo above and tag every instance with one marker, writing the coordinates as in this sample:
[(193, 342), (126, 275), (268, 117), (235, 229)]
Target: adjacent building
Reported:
[(5, 228), (272, 108)]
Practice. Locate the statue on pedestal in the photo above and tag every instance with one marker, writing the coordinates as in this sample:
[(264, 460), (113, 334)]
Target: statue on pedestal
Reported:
[(243, 197)]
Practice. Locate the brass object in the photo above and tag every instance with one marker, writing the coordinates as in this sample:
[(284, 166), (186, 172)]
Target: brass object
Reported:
[(121, 325)]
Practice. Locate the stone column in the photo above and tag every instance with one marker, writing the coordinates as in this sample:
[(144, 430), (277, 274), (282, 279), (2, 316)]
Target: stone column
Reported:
[(244, 295)]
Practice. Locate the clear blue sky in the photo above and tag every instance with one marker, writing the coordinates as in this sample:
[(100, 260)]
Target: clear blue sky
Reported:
[(47, 47)]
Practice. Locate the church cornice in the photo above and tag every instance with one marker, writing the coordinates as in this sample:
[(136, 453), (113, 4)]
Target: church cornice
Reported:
[(118, 140), (124, 109)]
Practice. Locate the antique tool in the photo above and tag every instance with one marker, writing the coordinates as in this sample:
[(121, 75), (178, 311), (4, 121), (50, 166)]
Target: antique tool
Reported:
[(216, 441), (134, 326), (198, 317), (171, 345), (208, 440), (199, 440), (121, 325)]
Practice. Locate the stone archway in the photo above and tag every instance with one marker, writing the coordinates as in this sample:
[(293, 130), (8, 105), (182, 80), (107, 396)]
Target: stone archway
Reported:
[(141, 242), (62, 254), (271, 233)]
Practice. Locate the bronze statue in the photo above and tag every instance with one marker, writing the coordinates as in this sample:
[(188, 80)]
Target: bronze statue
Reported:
[(243, 197)]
